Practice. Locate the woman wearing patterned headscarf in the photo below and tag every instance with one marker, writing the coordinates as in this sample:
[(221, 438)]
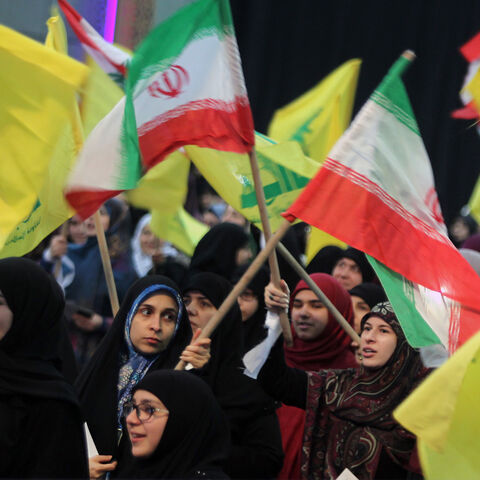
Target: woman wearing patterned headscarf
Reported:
[(349, 421), (318, 343)]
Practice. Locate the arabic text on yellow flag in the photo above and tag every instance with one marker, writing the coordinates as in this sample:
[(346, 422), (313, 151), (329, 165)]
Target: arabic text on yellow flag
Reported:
[(443, 413), (37, 91), (284, 171)]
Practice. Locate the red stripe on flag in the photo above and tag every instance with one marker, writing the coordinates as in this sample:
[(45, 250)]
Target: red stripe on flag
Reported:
[(87, 202), (468, 112), (204, 127), (74, 19), (471, 50), (360, 218)]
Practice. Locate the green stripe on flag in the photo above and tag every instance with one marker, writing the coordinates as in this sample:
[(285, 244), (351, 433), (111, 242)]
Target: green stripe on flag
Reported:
[(198, 20), (130, 161), (392, 96), (401, 295)]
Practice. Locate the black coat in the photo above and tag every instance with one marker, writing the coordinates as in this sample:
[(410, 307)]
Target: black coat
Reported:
[(41, 429), (97, 384), (256, 441)]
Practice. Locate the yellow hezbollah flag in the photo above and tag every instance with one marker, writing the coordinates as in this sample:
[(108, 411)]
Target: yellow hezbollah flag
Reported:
[(163, 187), (316, 120), (38, 88), (162, 190), (284, 170), (473, 88), (443, 413), (308, 119), (99, 96), (474, 202), (180, 229)]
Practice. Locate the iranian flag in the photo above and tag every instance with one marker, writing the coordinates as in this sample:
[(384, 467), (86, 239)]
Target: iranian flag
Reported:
[(376, 192), (184, 87), (112, 60)]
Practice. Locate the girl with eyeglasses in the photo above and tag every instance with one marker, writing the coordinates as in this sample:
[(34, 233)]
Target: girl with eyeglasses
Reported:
[(176, 428), (149, 332)]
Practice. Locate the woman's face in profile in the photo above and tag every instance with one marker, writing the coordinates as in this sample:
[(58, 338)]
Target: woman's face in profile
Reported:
[(146, 427)]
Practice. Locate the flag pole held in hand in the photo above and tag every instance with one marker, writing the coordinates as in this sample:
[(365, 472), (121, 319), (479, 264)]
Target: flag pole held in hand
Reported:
[(241, 285)]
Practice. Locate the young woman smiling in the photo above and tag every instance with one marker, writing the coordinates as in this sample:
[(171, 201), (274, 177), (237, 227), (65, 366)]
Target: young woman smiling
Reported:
[(349, 421)]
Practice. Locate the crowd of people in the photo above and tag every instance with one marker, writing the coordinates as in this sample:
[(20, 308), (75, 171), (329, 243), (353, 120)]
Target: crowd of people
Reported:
[(71, 370)]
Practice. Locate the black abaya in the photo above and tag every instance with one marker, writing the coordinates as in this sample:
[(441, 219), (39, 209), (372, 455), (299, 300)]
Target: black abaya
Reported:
[(97, 384), (41, 431), (256, 441)]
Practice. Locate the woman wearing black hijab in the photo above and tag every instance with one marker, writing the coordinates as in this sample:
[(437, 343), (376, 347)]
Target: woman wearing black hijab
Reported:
[(256, 442), (122, 359), (252, 306), (181, 438), (221, 250), (41, 429)]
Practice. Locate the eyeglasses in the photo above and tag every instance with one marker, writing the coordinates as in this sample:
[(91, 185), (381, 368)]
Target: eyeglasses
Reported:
[(144, 411)]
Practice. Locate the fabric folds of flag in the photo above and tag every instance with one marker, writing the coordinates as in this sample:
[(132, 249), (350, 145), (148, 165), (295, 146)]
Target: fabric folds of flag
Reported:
[(316, 120), (376, 192), (38, 92), (442, 413), (284, 171), (112, 59), (318, 117), (184, 87), (51, 209)]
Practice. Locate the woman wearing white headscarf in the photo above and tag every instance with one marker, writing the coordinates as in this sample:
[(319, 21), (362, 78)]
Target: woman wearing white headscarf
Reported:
[(151, 254)]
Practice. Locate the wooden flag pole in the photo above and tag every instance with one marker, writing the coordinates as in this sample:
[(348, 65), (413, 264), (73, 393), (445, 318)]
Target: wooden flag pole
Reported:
[(107, 266), (241, 285), (272, 261), (314, 287)]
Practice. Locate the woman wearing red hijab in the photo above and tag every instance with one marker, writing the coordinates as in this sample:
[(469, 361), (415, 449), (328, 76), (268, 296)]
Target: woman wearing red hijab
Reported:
[(318, 343)]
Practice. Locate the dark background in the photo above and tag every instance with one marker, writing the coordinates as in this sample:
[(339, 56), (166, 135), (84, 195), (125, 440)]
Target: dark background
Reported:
[(288, 46)]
